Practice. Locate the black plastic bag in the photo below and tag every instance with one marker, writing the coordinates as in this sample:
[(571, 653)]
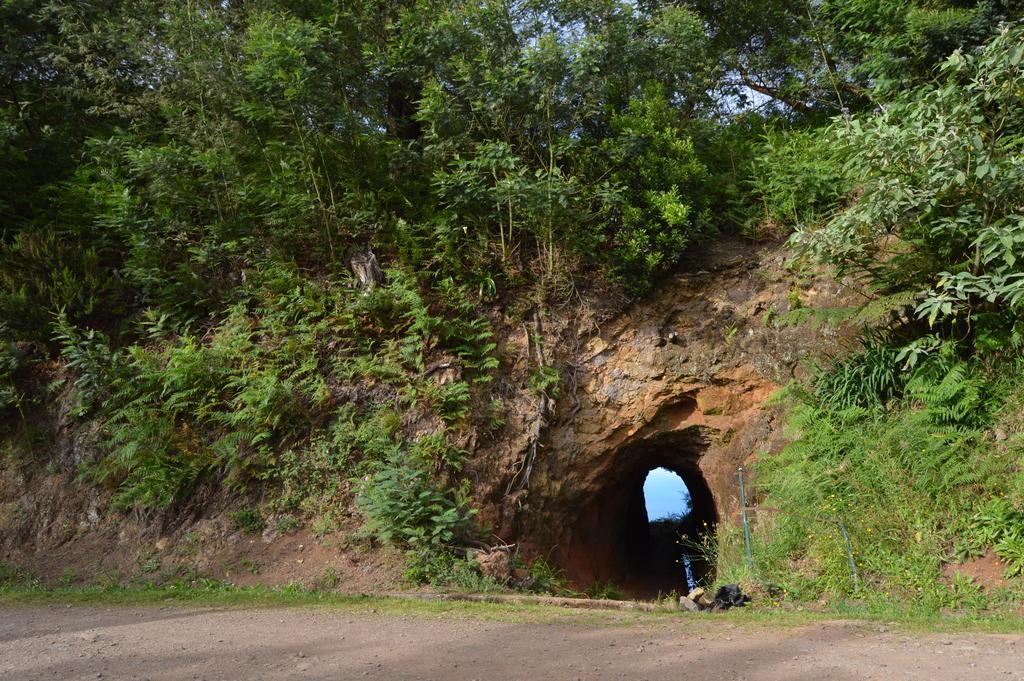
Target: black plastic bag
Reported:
[(730, 596)]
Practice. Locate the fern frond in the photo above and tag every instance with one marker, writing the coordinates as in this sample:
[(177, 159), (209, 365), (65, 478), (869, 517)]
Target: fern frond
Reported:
[(876, 310), (817, 317), (951, 395)]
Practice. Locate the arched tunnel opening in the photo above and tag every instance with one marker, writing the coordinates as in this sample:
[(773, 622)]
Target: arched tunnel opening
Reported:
[(668, 529), (617, 540)]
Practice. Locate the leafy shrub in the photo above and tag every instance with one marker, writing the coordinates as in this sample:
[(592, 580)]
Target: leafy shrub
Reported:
[(444, 569), (659, 174), (405, 504), (798, 178), (249, 520), (937, 171)]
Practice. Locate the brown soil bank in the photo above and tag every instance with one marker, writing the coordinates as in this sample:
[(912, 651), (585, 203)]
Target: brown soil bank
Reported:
[(69, 643)]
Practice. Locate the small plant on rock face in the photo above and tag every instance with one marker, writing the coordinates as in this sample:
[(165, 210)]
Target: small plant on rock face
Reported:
[(249, 520), (730, 334), (495, 416), (449, 401), (546, 380), (330, 580)]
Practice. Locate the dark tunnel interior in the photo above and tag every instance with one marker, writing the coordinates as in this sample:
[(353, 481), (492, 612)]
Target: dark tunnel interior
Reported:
[(665, 555), (614, 542)]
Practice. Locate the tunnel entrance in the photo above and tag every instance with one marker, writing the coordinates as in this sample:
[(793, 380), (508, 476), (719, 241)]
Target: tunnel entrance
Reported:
[(669, 554), (643, 552)]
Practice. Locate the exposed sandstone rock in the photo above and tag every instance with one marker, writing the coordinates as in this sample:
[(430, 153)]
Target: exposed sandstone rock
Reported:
[(685, 603), (680, 380)]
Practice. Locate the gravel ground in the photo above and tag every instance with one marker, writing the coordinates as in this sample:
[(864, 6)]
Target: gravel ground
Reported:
[(39, 643)]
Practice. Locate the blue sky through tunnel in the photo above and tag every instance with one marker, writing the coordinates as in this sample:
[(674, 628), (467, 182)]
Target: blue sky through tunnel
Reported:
[(666, 495)]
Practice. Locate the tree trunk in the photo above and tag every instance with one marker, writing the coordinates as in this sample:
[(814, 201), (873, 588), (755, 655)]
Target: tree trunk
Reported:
[(401, 121), (366, 270)]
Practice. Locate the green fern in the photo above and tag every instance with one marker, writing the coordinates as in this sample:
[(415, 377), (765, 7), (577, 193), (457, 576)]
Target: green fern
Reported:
[(89, 357), (885, 307), (11, 397), (152, 463), (950, 393)]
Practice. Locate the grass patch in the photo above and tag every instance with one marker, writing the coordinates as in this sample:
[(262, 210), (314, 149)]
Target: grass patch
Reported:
[(211, 593), (297, 597), (919, 495)]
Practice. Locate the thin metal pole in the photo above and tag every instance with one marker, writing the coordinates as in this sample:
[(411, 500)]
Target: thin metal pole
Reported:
[(746, 523), (849, 555)]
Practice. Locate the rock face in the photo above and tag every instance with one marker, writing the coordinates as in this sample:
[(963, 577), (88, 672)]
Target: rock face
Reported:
[(679, 381)]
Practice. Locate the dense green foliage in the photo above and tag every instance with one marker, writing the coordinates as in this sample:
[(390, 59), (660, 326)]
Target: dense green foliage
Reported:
[(920, 486), (940, 214), (914, 440), (184, 188)]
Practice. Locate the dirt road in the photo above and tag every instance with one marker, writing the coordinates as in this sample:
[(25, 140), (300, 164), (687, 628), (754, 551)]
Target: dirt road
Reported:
[(39, 643)]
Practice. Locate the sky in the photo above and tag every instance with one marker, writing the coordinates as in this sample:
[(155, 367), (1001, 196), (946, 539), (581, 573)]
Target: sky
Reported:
[(665, 494)]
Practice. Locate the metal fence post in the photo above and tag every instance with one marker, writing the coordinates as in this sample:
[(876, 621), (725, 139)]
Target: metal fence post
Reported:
[(849, 555), (746, 522)]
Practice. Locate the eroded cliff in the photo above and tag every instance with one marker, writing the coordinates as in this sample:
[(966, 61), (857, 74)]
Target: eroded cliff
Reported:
[(680, 380)]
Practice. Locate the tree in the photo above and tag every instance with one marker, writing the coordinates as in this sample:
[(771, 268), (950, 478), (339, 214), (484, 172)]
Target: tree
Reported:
[(938, 221)]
